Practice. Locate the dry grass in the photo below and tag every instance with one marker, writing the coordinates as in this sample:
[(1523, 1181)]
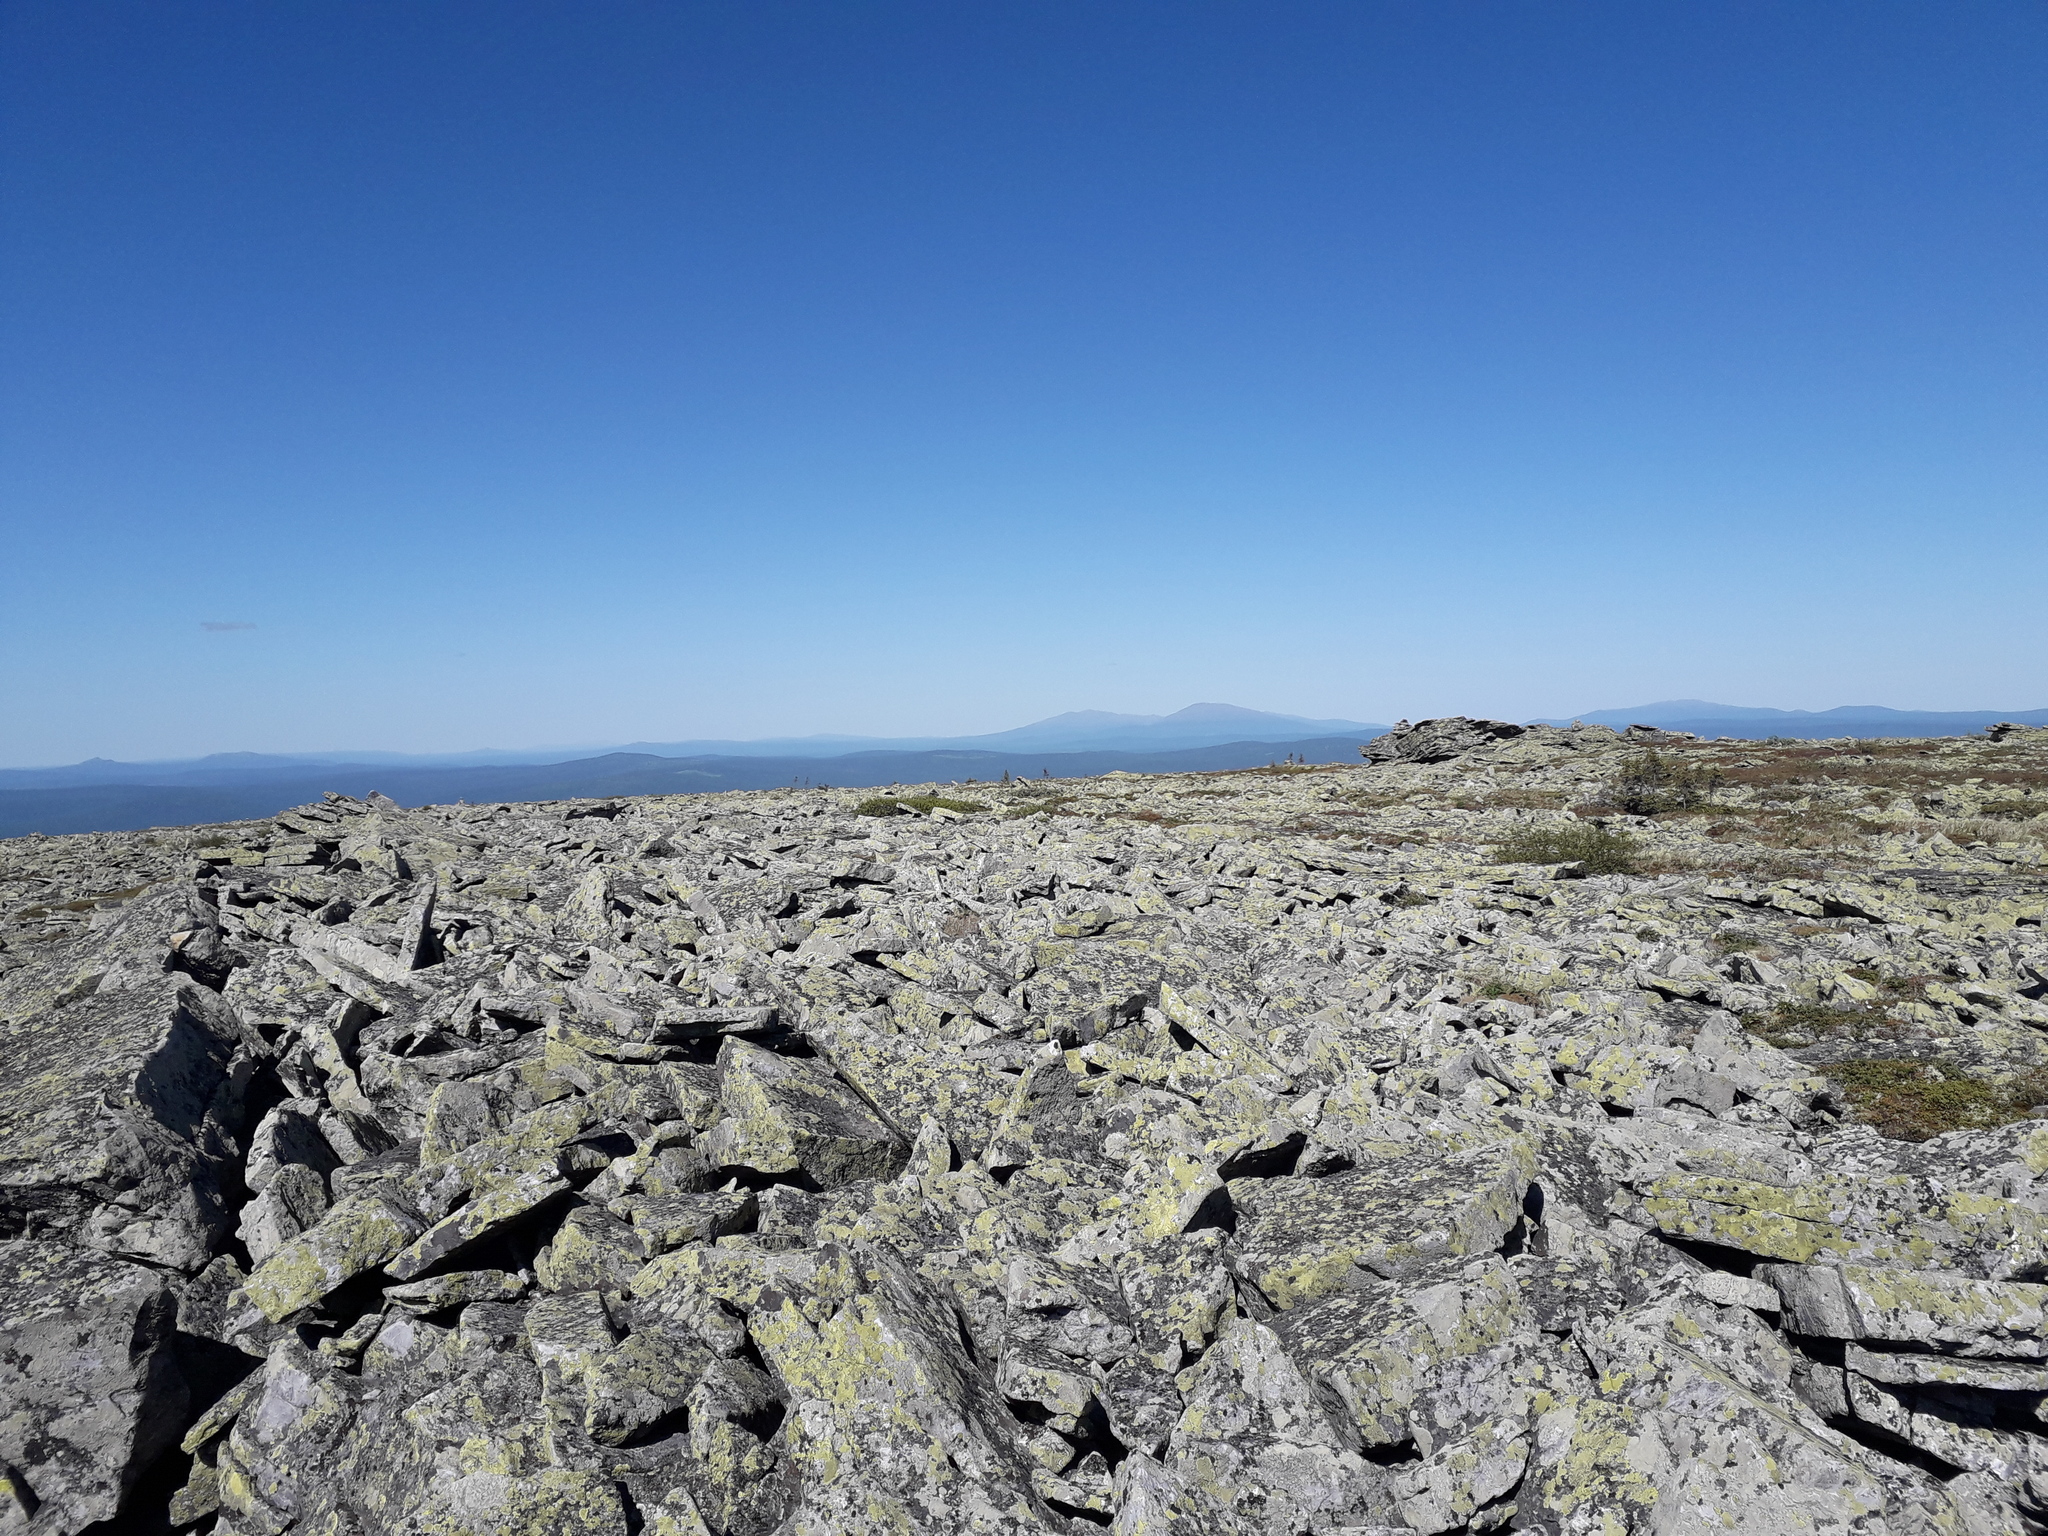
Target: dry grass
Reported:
[(1793, 1025), (1964, 831), (1907, 766), (2015, 810), (1913, 1100), (1742, 944), (1732, 863), (1525, 800), (1287, 770)]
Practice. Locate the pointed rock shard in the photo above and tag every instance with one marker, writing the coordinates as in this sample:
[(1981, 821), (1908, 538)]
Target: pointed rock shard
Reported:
[(417, 946)]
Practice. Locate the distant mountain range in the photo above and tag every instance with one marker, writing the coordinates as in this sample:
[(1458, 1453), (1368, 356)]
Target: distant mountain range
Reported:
[(1083, 730), (104, 796), (1753, 724)]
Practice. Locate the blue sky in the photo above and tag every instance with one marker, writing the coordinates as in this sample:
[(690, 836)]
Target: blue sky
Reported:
[(571, 374)]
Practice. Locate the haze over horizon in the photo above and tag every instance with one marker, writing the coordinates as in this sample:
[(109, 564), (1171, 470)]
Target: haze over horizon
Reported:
[(1196, 725), (421, 378)]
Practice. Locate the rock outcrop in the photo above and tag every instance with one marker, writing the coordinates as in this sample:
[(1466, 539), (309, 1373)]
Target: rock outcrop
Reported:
[(1295, 1150)]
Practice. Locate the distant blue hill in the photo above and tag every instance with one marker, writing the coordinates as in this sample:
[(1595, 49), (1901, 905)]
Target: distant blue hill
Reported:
[(1755, 724), (114, 807), (1088, 730), (104, 796)]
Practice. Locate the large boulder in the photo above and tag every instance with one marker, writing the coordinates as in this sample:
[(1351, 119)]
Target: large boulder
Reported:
[(89, 1389), (788, 1115), (1436, 741), (892, 1425), (118, 1117)]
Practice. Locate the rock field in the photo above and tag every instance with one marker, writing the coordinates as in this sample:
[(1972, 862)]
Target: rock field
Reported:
[(1522, 1129)]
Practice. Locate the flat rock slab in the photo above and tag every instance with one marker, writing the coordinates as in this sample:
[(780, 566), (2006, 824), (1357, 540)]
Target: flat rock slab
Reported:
[(1305, 1240)]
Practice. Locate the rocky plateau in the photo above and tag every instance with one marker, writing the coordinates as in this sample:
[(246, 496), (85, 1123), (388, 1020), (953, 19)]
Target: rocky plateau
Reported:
[(1543, 1129)]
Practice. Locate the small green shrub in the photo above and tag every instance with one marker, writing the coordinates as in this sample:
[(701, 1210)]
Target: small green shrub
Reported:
[(1051, 805), (1905, 989), (898, 805), (1602, 852), (1648, 784)]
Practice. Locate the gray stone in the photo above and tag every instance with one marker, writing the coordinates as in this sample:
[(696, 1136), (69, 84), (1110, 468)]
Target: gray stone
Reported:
[(120, 1132), (293, 1200), (785, 1115), (90, 1390)]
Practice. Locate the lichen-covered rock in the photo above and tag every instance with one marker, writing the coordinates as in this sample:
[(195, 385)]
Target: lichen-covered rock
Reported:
[(360, 1234), (121, 1117), (1447, 1489), (291, 1201), (785, 1115), (1207, 1155), (90, 1389), (1929, 1310), (1259, 1440), (551, 1502), (1435, 741), (891, 1425), (1300, 1242)]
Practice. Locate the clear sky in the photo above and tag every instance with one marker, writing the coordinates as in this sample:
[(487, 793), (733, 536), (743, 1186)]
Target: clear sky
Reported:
[(519, 374)]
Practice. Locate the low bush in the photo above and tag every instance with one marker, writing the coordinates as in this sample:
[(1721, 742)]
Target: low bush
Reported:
[(1904, 989), (1649, 784), (1051, 805), (898, 805), (1913, 1100), (1506, 988), (1156, 818), (1601, 852)]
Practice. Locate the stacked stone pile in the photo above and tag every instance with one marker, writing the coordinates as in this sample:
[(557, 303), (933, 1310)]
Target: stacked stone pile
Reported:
[(1176, 1156)]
